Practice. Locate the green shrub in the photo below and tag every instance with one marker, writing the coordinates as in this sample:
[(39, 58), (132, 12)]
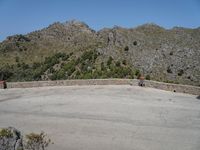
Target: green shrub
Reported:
[(109, 62), (138, 76), (24, 66), (118, 64), (135, 43), (36, 65), (6, 74), (102, 66), (63, 56), (137, 72), (17, 59), (86, 55), (78, 60), (180, 72), (124, 62), (87, 75), (147, 77), (50, 61), (126, 48), (51, 70), (169, 69), (84, 67), (5, 133), (60, 74), (69, 67), (23, 38)]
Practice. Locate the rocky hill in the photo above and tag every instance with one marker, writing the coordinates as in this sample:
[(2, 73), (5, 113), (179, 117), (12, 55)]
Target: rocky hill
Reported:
[(72, 50)]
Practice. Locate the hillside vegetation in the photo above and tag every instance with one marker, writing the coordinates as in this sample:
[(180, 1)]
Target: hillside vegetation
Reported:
[(72, 50)]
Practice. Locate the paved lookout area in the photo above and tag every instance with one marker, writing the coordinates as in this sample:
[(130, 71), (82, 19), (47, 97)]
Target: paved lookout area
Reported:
[(118, 117)]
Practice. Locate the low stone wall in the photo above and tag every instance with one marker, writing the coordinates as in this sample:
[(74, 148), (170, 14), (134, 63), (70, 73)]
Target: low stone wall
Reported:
[(69, 83), (2, 84), (174, 87), (153, 84)]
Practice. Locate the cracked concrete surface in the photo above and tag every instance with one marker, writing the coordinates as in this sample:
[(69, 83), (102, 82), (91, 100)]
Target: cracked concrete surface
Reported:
[(105, 117)]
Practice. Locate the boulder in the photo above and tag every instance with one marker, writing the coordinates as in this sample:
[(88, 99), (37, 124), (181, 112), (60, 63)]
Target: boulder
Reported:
[(10, 139)]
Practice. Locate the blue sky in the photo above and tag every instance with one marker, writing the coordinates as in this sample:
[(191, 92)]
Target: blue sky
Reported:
[(23, 16)]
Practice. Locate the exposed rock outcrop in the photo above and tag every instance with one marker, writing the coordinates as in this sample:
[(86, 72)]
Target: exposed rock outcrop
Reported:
[(10, 139)]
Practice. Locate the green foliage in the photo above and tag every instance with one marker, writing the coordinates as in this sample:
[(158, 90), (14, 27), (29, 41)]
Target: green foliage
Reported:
[(118, 64), (69, 67), (5, 133), (135, 43), (36, 65), (87, 75), (50, 61), (169, 69), (124, 62), (57, 75), (126, 48), (25, 72), (147, 77), (89, 55), (16, 59), (180, 72), (109, 62), (6, 73), (137, 72), (23, 38), (102, 66)]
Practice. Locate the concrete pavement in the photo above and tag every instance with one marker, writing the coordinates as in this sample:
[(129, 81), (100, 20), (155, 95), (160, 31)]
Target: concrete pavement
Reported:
[(107, 117)]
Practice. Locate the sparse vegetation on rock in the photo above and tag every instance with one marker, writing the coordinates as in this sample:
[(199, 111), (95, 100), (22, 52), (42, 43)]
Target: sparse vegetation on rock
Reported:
[(72, 50), (34, 141), (11, 139)]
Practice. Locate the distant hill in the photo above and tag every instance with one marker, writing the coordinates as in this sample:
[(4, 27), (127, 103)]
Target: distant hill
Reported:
[(72, 50)]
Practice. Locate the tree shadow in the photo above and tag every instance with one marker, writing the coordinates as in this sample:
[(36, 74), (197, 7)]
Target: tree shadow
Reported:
[(198, 97)]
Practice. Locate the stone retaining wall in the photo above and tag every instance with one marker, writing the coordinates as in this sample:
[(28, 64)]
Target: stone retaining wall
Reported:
[(153, 84), (68, 83), (174, 87)]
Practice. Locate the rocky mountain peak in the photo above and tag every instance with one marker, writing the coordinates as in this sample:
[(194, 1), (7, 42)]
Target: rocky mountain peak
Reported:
[(166, 55), (150, 26), (75, 23)]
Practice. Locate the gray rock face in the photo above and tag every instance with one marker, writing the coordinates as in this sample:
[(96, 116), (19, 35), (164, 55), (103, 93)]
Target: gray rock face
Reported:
[(11, 139), (165, 55)]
